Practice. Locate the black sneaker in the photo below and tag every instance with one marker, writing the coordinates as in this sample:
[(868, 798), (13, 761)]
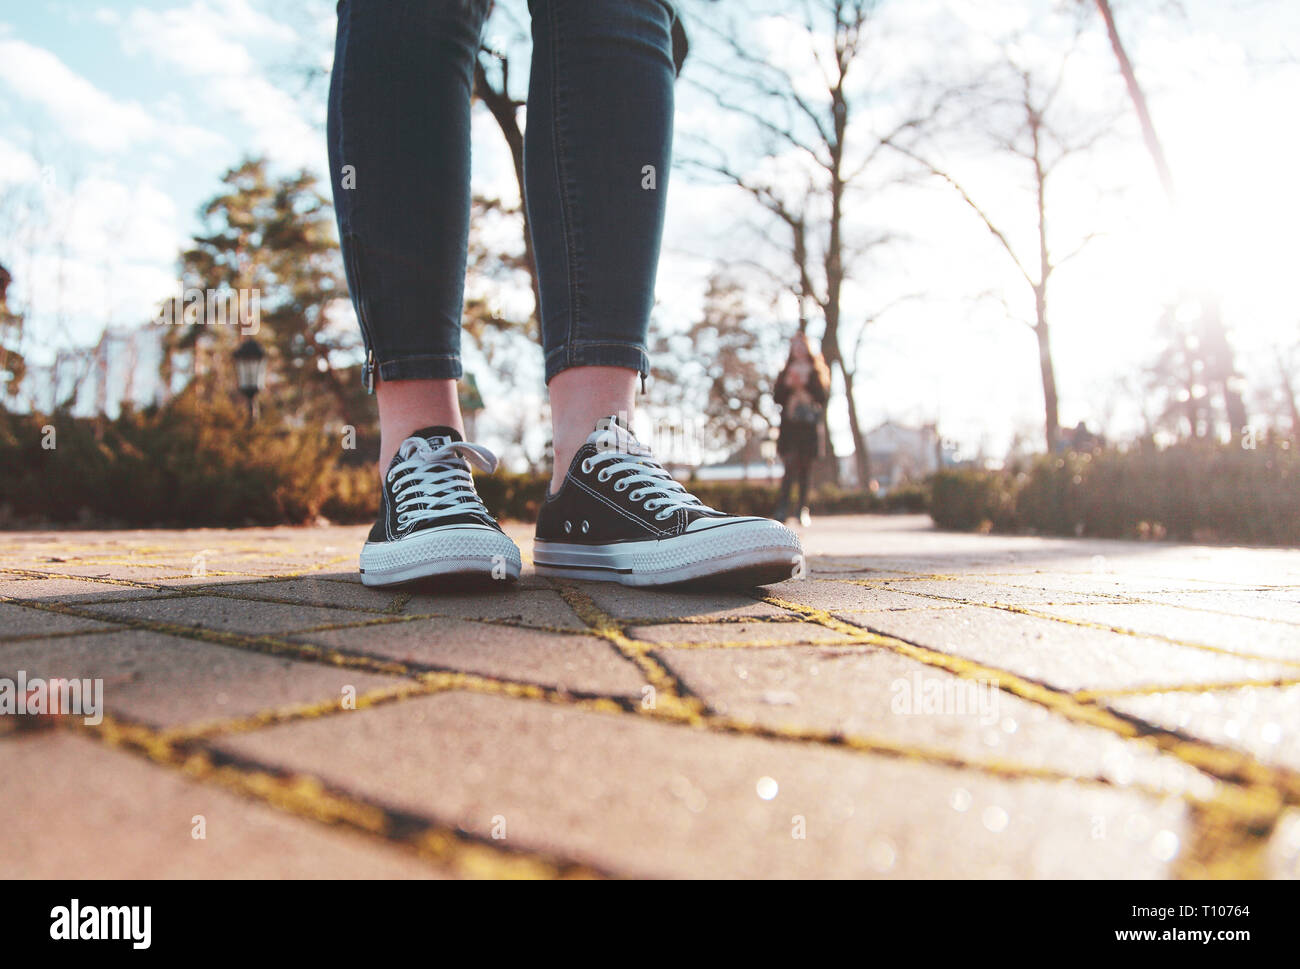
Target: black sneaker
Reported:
[(620, 517), (431, 521)]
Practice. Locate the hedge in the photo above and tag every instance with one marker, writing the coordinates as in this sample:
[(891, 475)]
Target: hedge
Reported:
[(197, 462), (1189, 492)]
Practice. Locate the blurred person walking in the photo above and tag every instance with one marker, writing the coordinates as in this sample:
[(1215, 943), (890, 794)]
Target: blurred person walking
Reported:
[(801, 391)]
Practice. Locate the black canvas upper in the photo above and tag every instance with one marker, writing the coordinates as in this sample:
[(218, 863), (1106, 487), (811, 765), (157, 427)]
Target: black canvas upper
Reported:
[(387, 527), (592, 507)]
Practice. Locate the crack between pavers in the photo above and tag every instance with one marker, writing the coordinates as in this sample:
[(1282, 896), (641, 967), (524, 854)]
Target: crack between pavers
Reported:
[(310, 798), (1251, 797), (1103, 627)]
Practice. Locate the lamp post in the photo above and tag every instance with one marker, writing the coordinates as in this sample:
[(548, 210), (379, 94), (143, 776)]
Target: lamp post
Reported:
[(250, 373)]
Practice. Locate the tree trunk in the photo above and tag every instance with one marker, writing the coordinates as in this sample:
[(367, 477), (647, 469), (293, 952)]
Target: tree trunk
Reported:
[(1139, 100), (861, 456), (1051, 414)]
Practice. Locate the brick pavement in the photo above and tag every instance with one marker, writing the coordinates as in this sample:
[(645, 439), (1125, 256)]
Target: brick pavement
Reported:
[(921, 704)]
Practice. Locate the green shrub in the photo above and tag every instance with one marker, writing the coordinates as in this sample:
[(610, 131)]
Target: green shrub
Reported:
[(970, 500), (189, 463), (908, 498), (1189, 492)]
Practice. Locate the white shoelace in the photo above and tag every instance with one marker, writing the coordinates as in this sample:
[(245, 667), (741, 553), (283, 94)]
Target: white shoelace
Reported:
[(659, 489), (438, 479)]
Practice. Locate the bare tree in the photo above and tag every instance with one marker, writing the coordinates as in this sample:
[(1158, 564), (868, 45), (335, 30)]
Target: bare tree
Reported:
[(1042, 146), (492, 89), (837, 138)]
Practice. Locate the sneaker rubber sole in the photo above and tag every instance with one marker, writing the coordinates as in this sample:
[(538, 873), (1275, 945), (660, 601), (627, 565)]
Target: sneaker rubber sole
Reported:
[(744, 554), (466, 551)]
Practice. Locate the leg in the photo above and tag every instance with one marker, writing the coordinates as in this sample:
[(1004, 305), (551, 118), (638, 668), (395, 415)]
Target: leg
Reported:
[(596, 156), (782, 511), (406, 406), (805, 473), (399, 124), (596, 162)]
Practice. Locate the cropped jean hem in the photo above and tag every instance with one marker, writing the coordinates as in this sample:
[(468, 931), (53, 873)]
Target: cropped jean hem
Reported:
[(597, 353), (421, 367)]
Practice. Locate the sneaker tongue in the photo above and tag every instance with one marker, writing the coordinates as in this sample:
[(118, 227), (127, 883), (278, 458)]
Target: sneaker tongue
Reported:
[(613, 434), (424, 440), (437, 431)]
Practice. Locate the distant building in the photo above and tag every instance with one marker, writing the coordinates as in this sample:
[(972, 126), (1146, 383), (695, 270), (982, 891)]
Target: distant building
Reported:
[(901, 454), (746, 463), (122, 366)]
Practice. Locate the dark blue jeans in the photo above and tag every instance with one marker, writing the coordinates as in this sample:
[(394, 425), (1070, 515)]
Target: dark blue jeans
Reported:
[(597, 150)]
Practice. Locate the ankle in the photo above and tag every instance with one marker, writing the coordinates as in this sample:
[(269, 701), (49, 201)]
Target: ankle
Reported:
[(406, 406), (580, 396)]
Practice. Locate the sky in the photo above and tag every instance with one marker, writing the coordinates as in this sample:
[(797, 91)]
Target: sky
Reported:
[(117, 121)]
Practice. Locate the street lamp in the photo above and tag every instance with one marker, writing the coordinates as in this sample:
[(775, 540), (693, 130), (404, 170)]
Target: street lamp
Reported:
[(250, 373)]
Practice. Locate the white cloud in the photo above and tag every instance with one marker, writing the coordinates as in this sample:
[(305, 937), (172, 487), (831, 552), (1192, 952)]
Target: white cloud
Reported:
[(214, 43), (81, 110)]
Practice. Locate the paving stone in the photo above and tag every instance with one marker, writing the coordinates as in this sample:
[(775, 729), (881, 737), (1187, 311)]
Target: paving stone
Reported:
[(315, 591), (73, 591), (530, 607), (21, 621), (644, 798), (1104, 583), (583, 664), (626, 602), (956, 591), (95, 812), (1279, 605), (169, 681), (833, 595), (232, 615), (1258, 720), (873, 693), (1259, 637), (1064, 656), (738, 632), (135, 573)]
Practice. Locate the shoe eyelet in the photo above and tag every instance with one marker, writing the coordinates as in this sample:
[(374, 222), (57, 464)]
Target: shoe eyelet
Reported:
[(586, 466), (603, 475), (660, 516), (568, 527), (585, 528), (620, 485)]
